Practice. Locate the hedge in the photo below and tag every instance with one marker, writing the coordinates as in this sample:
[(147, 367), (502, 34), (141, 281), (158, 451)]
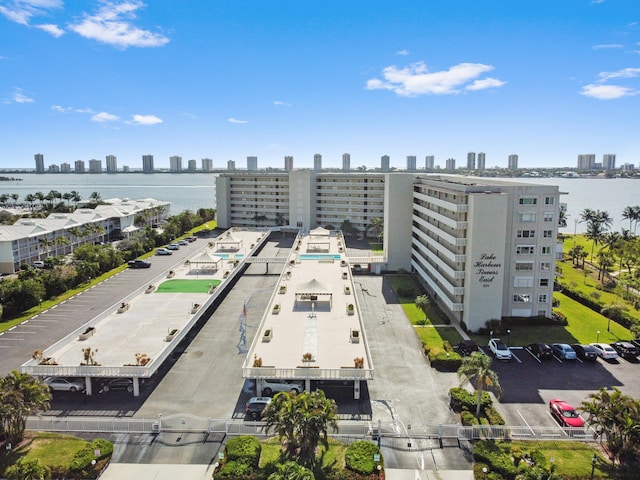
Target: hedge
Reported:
[(461, 399), (244, 449), (359, 457), (82, 458), (446, 361)]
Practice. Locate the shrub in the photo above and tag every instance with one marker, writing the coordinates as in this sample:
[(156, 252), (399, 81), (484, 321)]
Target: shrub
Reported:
[(499, 461), (446, 361), (493, 416), (82, 458), (244, 449), (235, 470), (359, 457), (468, 419), (461, 399)]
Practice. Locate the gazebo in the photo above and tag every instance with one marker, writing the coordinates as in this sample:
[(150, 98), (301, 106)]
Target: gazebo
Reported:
[(205, 261), (319, 240), (228, 243), (312, 290)]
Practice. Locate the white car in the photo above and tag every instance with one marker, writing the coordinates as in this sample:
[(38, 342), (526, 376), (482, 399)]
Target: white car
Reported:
[(173, 246), (163, 251), (61, 384), (275, 386), (499, 349), (605, 351)]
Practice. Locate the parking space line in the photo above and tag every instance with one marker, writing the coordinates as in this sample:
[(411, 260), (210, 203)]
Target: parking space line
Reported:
[(525, 422), (534, 356)]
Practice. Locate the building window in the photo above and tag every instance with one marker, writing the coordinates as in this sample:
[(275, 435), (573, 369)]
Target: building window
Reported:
[(542, 298), (544, 282), (545, 266), (528, 201), (545, 250), (549, 200), (526, 217), (524, 266), (521, 298), (526, 233), (548, 216), (548, 234), (523, 282), (542, 313), (525, 250)]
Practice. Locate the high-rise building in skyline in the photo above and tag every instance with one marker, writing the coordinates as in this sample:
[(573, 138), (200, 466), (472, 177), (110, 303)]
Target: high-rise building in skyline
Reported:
[(95, 166), (586, 161), (39, 158), (481, 161), (384, 162), (147, 163), (411, 162), (65, 167), (317, 162), (429, 162), (252, 164), (207, 165), (112, 164), (346, 162), (231, 164), (192, 166), (513, 162), (79, 167), (288, 163), (53, 168), (175, 163), (471, 161), (450, 164), (609, 161)]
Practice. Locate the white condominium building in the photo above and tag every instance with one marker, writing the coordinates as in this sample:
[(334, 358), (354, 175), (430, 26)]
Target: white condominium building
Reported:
[(485, 248)]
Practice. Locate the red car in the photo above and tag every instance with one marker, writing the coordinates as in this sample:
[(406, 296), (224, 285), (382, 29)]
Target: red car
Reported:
[(565, 413)]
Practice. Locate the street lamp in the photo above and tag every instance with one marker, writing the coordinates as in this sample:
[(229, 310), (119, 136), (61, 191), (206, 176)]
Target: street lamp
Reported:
[(508, 336), (594, 460), (598, 336)]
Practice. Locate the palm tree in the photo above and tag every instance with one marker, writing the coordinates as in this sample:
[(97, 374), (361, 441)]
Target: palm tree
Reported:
[(67, 196), (4, 198), (77, 233), (75, 197), (633, 215), (423, 302), (39, 196), (25, 469), (46, 243), (95, 196), (376, 225), (60, 240), (291, 471), (475, 369), (15, 197), (30, 199), (20, 395)]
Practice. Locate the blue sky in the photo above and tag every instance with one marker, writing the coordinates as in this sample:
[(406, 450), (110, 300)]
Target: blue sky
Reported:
[(226, 79)]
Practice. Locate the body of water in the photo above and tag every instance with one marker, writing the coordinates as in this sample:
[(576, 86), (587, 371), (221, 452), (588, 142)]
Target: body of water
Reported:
[(190, 191)]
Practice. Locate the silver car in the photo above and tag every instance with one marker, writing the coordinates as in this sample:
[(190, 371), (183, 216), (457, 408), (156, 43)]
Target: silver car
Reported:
[(275, 386), (61, 384)]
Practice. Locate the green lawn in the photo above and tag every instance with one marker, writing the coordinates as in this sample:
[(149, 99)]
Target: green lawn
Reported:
[(435, 336), (187, 286), (333, 458)]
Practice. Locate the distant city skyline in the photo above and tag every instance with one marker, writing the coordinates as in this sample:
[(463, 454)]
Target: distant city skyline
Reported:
[(545, 80)]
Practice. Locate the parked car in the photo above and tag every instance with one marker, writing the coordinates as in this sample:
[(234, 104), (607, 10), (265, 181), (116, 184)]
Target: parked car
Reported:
[(467, 347), (192, 238), (139, 264), (61, 384), (255, 406), (117, 384), (565, 414), (625, 349), (605, 351), (275, 386), (163, 251), (183, 242), (564, 351), (540, 350), (38, 264), (585, 352), (173, 246), (636, 342), (499, 349)]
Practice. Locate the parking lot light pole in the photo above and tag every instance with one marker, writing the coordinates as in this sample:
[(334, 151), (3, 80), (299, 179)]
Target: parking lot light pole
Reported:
[(598, 336), (508, 337), (594, 460)]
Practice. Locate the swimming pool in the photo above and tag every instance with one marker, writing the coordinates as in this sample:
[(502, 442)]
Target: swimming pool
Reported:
[(315, 256), (226, 256)]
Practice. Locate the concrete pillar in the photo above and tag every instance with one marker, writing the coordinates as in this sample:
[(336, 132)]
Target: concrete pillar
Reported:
[(356, 389), (136, 387), (87, 386), (307, 384)]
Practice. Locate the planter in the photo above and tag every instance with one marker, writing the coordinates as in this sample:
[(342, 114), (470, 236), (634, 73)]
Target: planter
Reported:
[(282, 290), (195, 308), (87, 333), (212, 289), (343, 263), (350, 309), (267, 336), (345, 275), (171, 335), (171, 274), (355, 336), (226, 274), (150, 289), (123, 307), (276, 309), (347, 290)]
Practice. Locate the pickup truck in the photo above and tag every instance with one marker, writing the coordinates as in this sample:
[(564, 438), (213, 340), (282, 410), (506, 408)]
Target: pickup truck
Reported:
[(139, 264)]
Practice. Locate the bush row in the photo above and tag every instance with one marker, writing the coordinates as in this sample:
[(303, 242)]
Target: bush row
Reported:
[(359, 457), (625, 319), (242, 456)]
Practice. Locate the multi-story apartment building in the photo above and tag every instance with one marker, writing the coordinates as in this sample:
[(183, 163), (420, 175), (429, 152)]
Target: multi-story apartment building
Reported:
[(513, 162), (175, 163), (484, 248), (482, 160), (411, 163), (79, 167), (112, 164), (252, 164), (65, 167), (471, 161), (288, 163), (95, 166), (609, 161), (54, 168), (429, 162), (346, 162), (207, 165), (450, 164), (147, 164), (231, 165), (39, 159), (317, 162), (192, 166), (384, 162), (586, 161)]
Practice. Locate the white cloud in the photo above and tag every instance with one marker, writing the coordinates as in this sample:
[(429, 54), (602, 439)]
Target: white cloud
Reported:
[(146, 119), (598, 1), (113, 25), (51, 29), (61, 109), (235, 120), (624, 73), (607, 92), (104, 117), (416, 79), (18, 97), (402, 52), (278, 103), (21, 11), (607, 46)]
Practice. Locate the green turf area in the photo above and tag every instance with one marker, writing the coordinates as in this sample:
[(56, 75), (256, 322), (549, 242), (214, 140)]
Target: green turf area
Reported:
[(187, 286)]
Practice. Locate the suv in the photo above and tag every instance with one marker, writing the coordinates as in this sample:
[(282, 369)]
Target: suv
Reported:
[(274, 386), (254, 407), (163, 251), (117, 384), (139, 264), (625, 349), (499, 349)]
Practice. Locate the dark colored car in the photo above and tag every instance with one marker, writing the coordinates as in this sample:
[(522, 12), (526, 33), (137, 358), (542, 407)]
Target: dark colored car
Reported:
[(139, 264), (467, 347), (625, 349), (540, 350), (585, 352), (636, 342), (254, 407), (117, 384)]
